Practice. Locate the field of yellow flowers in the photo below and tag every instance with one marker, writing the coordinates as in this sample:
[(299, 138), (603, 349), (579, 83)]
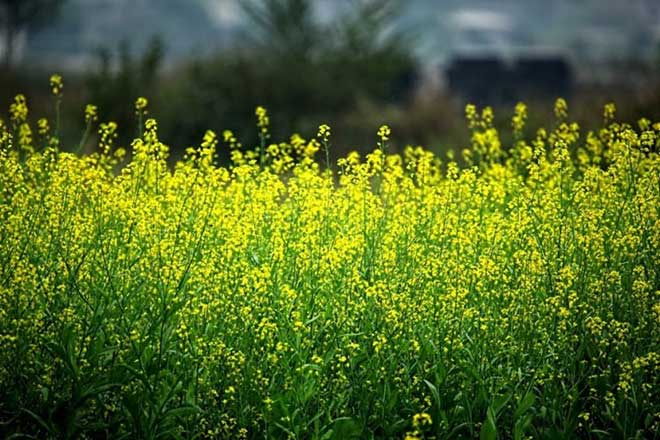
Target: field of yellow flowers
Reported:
[(516, 295)]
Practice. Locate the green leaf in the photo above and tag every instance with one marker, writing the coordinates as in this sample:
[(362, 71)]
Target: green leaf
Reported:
[(347, 428), (500, 402), (488, 429), (39, 420), (521, 426), (524, 405), (434, 392), (183, 411)]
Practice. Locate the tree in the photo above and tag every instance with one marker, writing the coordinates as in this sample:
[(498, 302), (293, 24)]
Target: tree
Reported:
[(284, 27), (304, 67), (16, 15), (360, 49), (290, 27)]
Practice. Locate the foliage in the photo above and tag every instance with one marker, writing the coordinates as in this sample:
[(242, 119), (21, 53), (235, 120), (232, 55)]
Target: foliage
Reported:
[(387, 296), (287, 27), (119, 75), (302, 69)]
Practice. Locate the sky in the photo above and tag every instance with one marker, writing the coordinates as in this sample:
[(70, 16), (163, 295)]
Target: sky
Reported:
[(586, 29)]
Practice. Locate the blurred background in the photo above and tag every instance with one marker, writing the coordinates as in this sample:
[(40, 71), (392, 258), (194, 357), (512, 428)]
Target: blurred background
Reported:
[(354, 64)]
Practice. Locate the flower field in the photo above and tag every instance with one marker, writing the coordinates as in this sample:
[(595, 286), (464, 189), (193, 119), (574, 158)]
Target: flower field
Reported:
[(511, 293)]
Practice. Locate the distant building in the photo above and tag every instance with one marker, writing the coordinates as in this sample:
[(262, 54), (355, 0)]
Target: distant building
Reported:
[(490, 64)]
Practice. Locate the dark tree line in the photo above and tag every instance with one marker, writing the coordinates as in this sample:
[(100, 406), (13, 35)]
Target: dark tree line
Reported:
[(302, 67)]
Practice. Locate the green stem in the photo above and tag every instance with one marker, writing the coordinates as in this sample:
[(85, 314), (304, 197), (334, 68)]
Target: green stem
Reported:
[(83, 141)]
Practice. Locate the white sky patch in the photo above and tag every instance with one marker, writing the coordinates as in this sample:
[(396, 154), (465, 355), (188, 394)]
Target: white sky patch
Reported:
[(223, 12), (325, 11), (481, 19)]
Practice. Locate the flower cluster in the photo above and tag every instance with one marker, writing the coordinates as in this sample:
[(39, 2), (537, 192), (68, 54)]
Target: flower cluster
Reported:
[(515, 294), (56, 85)]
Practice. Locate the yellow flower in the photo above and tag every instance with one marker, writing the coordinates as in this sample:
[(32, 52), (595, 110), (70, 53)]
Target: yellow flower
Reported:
[(561, 108), (42, 126), (230, 139), (324, 132), (263, 121), (384, 133), (91, 113), (519, 118), (141, 106), (107, 134), (18, 110), (56, 85), (421, 420), (609, 111)]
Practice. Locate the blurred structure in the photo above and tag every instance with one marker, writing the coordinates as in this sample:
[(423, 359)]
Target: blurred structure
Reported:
[(492, 63)]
